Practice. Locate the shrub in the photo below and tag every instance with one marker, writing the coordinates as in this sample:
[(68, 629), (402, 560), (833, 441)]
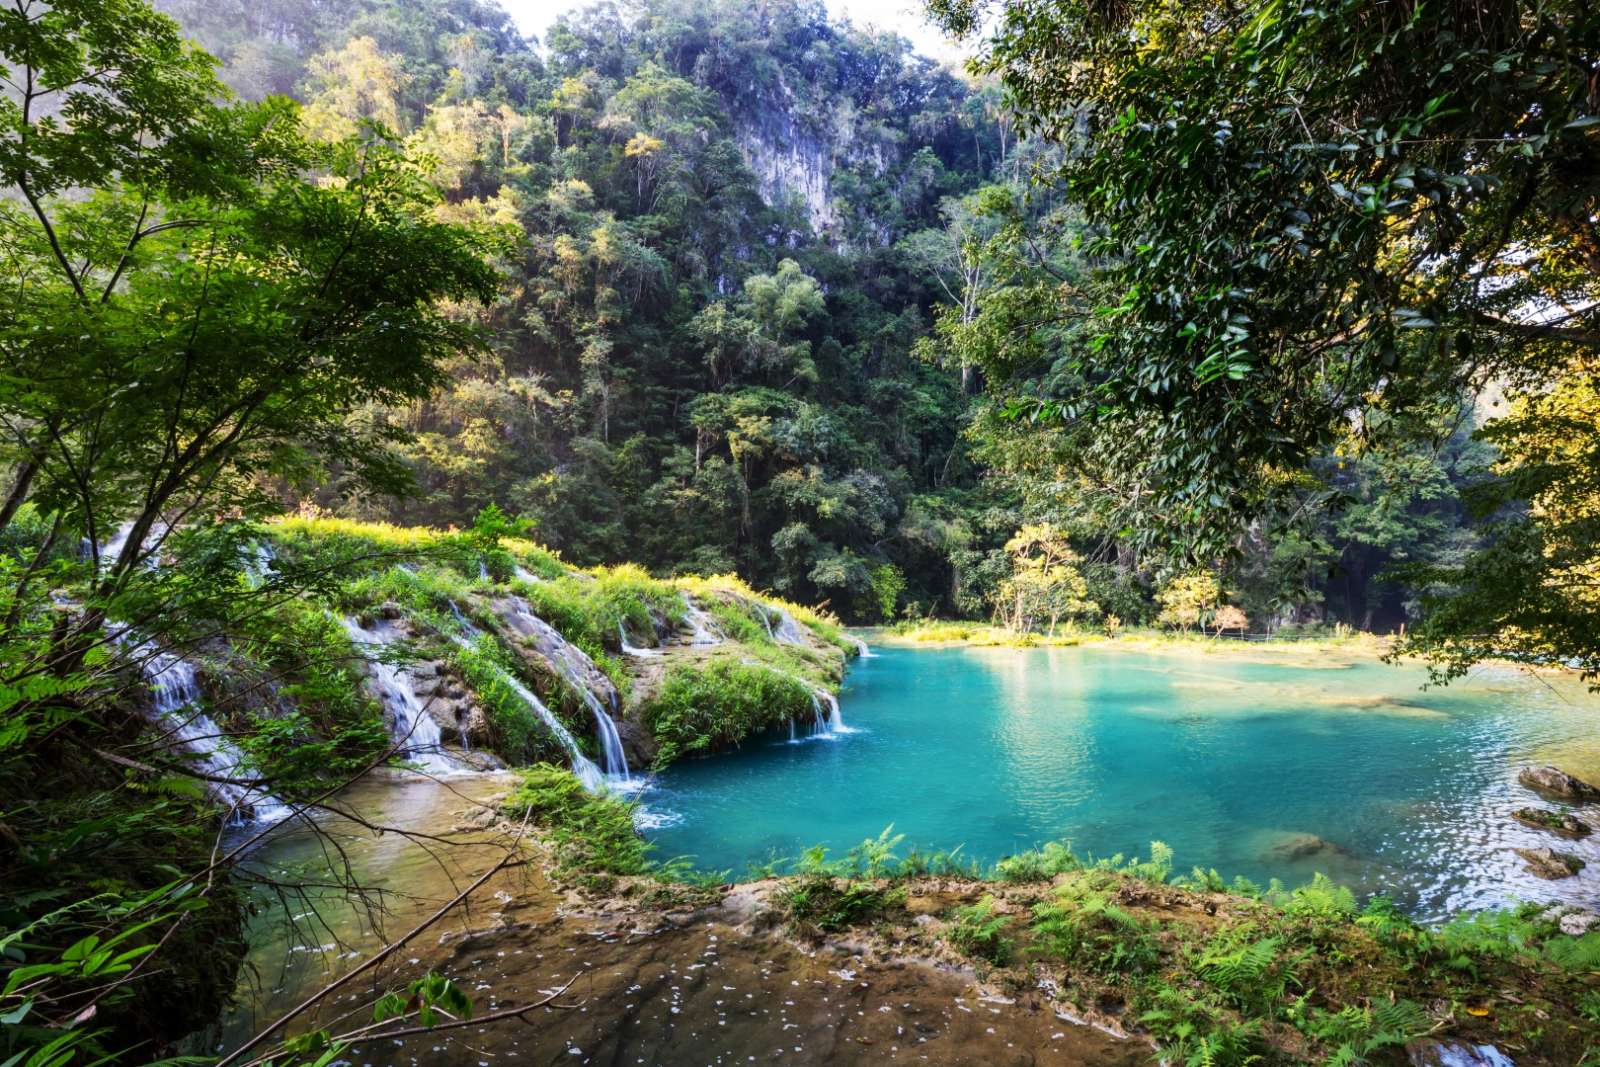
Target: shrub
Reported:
[(702, 709), (1038, 865), (1082, 926), (976, 931), (826, 903), (592, 833)]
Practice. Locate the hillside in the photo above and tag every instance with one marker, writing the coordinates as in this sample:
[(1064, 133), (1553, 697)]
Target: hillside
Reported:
[(702, 360)]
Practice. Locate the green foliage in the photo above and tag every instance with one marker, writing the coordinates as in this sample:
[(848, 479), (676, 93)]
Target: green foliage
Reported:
[(822, 902), (1249, 306), (518, 734), (702, 709), (1082, 925), (592, 832), (428, 997), (976, 930), (1038, 865)]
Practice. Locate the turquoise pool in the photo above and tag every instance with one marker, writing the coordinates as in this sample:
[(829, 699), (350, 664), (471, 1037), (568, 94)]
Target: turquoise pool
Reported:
[(1239, 762)]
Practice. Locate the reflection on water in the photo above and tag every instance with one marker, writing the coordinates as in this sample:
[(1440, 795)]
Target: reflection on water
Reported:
[(1245, 764)]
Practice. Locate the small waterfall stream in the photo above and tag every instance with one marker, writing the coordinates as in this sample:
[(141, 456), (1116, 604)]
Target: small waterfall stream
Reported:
[(635, 650), (702, 631), (581, 673), (582, 766), (175, 698), (413, 729), (787, 632)]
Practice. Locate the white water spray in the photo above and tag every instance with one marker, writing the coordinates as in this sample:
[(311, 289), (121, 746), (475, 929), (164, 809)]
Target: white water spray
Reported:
[(702, 631), (582, 766), (414, 729), (635, 650), (175, 695), (788, 631)]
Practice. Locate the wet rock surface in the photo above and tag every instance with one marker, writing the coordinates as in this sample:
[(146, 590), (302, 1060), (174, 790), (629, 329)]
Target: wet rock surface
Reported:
[(1548, 863), (1560, 823), (1554, 782), (701, 991), (1455, 1054)]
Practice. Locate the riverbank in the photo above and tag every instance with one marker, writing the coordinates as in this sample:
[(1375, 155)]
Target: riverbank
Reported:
[(882, 958), (983, 635)]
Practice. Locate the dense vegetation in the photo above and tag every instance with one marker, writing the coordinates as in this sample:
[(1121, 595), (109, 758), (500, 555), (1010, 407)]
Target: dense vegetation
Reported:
[(1320, 246), (1206, 317), (735, 229)]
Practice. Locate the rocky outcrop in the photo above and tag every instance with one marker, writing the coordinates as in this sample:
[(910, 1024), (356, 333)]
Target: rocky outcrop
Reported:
[(1554, 782), (1575, 922), (1550, 864), (1560, 823), (447, 700)]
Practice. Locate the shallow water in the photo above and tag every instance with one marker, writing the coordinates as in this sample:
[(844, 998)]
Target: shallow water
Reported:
[(1237, 762)]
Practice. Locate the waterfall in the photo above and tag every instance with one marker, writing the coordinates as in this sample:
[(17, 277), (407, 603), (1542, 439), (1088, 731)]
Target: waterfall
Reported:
[(578, 671), (414, 729), (835, 714), (863, 650), (702, 630), (175, 695), (523, 574), (483, 570), (462, 621), (827, 723), (259, 563), (821, 725), (591, 777), (635, 650), (788, 631)]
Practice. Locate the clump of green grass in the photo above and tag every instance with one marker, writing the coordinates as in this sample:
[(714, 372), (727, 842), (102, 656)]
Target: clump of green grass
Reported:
[(592, 834), (701, 709), (820, 902)]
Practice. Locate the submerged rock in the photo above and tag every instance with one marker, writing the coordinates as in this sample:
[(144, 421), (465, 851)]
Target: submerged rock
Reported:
[(1303, 846), (1554, 782), (1548, 863), (1455, 1054), (1560, 823)]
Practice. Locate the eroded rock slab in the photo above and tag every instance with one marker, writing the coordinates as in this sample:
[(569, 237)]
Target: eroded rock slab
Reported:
[(1560, 823), (1554, 782), (1550, 864)]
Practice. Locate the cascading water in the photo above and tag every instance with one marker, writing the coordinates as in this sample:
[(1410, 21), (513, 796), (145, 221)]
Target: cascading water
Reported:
[(582, 766), (835, 715), (702, 631), (413, 729), (462, 621), (523, 574), (175, 696), (635, 650), (863, 650), (579, 672), (788, 631)]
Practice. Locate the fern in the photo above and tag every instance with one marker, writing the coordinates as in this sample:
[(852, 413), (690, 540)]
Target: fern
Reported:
[(1575, 953)]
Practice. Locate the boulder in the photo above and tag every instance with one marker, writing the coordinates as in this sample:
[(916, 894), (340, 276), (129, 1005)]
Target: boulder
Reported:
[(1554, 782), (1560, 823), (1575, 922), (1548, 863)]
